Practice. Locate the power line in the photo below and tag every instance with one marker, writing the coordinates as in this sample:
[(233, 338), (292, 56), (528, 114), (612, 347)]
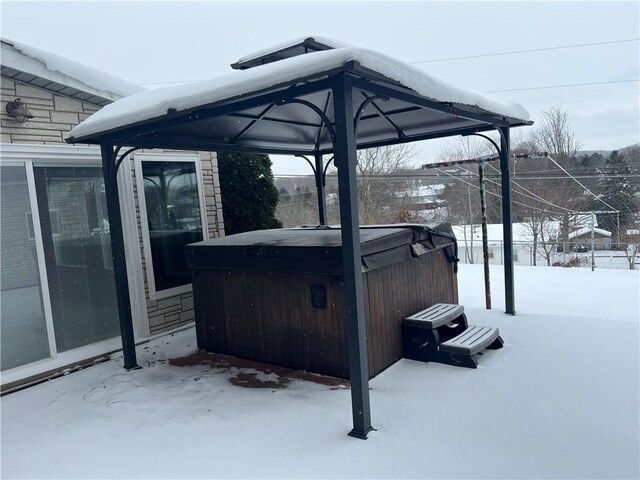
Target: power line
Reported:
[(540, 199), (496, 195), (568, 85), (578, 182), (532, 195), (391, 177), (544, 87), (549, 176), (513, 52), (559, 47)]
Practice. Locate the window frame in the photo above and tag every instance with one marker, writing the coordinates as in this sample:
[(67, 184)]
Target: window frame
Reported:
[(55, 224), (154, 294)]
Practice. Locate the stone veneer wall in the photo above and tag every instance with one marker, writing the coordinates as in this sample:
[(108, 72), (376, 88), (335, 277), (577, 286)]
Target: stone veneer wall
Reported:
[(54, 116)]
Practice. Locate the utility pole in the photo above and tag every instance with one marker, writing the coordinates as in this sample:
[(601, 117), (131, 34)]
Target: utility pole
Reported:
[(593, 240), (485, 237), (471, 258)]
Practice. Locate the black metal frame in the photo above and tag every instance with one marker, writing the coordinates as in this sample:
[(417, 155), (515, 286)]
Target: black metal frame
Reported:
[(507, 227), (346, 159), (507, 219), (340, 85), (110, 165)]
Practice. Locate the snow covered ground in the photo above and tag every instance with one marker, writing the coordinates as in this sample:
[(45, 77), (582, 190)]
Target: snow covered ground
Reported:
[(561, 400)]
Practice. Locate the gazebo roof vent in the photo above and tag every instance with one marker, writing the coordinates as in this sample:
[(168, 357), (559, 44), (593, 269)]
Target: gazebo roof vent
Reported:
[(292, 48)]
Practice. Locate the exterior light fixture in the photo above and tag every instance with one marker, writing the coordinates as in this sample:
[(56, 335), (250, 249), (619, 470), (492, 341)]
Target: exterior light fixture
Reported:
[(18, 110)]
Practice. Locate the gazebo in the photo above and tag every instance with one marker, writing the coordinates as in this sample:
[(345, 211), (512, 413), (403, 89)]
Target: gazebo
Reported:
[(309, 97)]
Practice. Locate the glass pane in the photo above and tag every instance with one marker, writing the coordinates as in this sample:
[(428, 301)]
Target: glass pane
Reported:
[(173, 212), (75, 230), (24, 331)]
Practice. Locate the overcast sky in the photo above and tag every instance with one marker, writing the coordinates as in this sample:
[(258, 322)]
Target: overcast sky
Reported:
[(155, 42)]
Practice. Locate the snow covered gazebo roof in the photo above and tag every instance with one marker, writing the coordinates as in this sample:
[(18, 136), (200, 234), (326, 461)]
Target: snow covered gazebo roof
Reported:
[(283, 107), (292, 48)]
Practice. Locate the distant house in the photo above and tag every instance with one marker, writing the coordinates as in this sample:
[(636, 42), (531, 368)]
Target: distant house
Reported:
[(58, 303), (421, 197), (633, 235), (581, 239), (470, 244)]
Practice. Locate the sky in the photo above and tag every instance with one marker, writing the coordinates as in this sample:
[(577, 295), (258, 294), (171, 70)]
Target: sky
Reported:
[(163, 43)]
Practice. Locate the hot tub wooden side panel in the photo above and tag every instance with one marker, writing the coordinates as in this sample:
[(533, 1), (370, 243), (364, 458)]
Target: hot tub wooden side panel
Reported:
[(210, 313), (396, 291), (269, 316)]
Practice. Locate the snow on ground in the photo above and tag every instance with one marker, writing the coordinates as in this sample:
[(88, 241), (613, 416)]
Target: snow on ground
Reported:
[(561, 400)]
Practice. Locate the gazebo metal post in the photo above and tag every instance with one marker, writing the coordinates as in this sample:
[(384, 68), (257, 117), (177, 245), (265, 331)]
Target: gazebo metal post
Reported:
[(345, 161), (319, 174), (505, 153), (110, 172)]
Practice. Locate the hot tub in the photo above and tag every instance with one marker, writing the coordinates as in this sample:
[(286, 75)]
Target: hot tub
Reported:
[(277, 296)]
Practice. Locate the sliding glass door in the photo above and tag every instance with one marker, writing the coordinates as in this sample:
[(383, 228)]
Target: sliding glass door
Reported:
[(24, 336), (77, 252)]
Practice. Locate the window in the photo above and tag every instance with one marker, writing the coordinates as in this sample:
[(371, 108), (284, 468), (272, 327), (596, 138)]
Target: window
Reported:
[(55, 224), (490, 253), (172, 204), (515, 255)]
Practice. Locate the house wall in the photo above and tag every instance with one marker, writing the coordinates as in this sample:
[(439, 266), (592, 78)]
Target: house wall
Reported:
[(600, 242), (522, 253), (54, 116)]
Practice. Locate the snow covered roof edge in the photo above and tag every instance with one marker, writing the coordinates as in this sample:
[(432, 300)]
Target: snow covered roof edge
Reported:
[(67, 72), (152, 104), (584, 230), (329, 42)]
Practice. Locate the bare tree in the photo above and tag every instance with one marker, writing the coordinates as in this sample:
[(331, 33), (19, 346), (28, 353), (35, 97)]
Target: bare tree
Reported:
[(379, 194), (461, 196), (544, 233), (631, 252), (631, 242), (381, 190), (298, 207), (553, 134), (381, 185), (465, 148)]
